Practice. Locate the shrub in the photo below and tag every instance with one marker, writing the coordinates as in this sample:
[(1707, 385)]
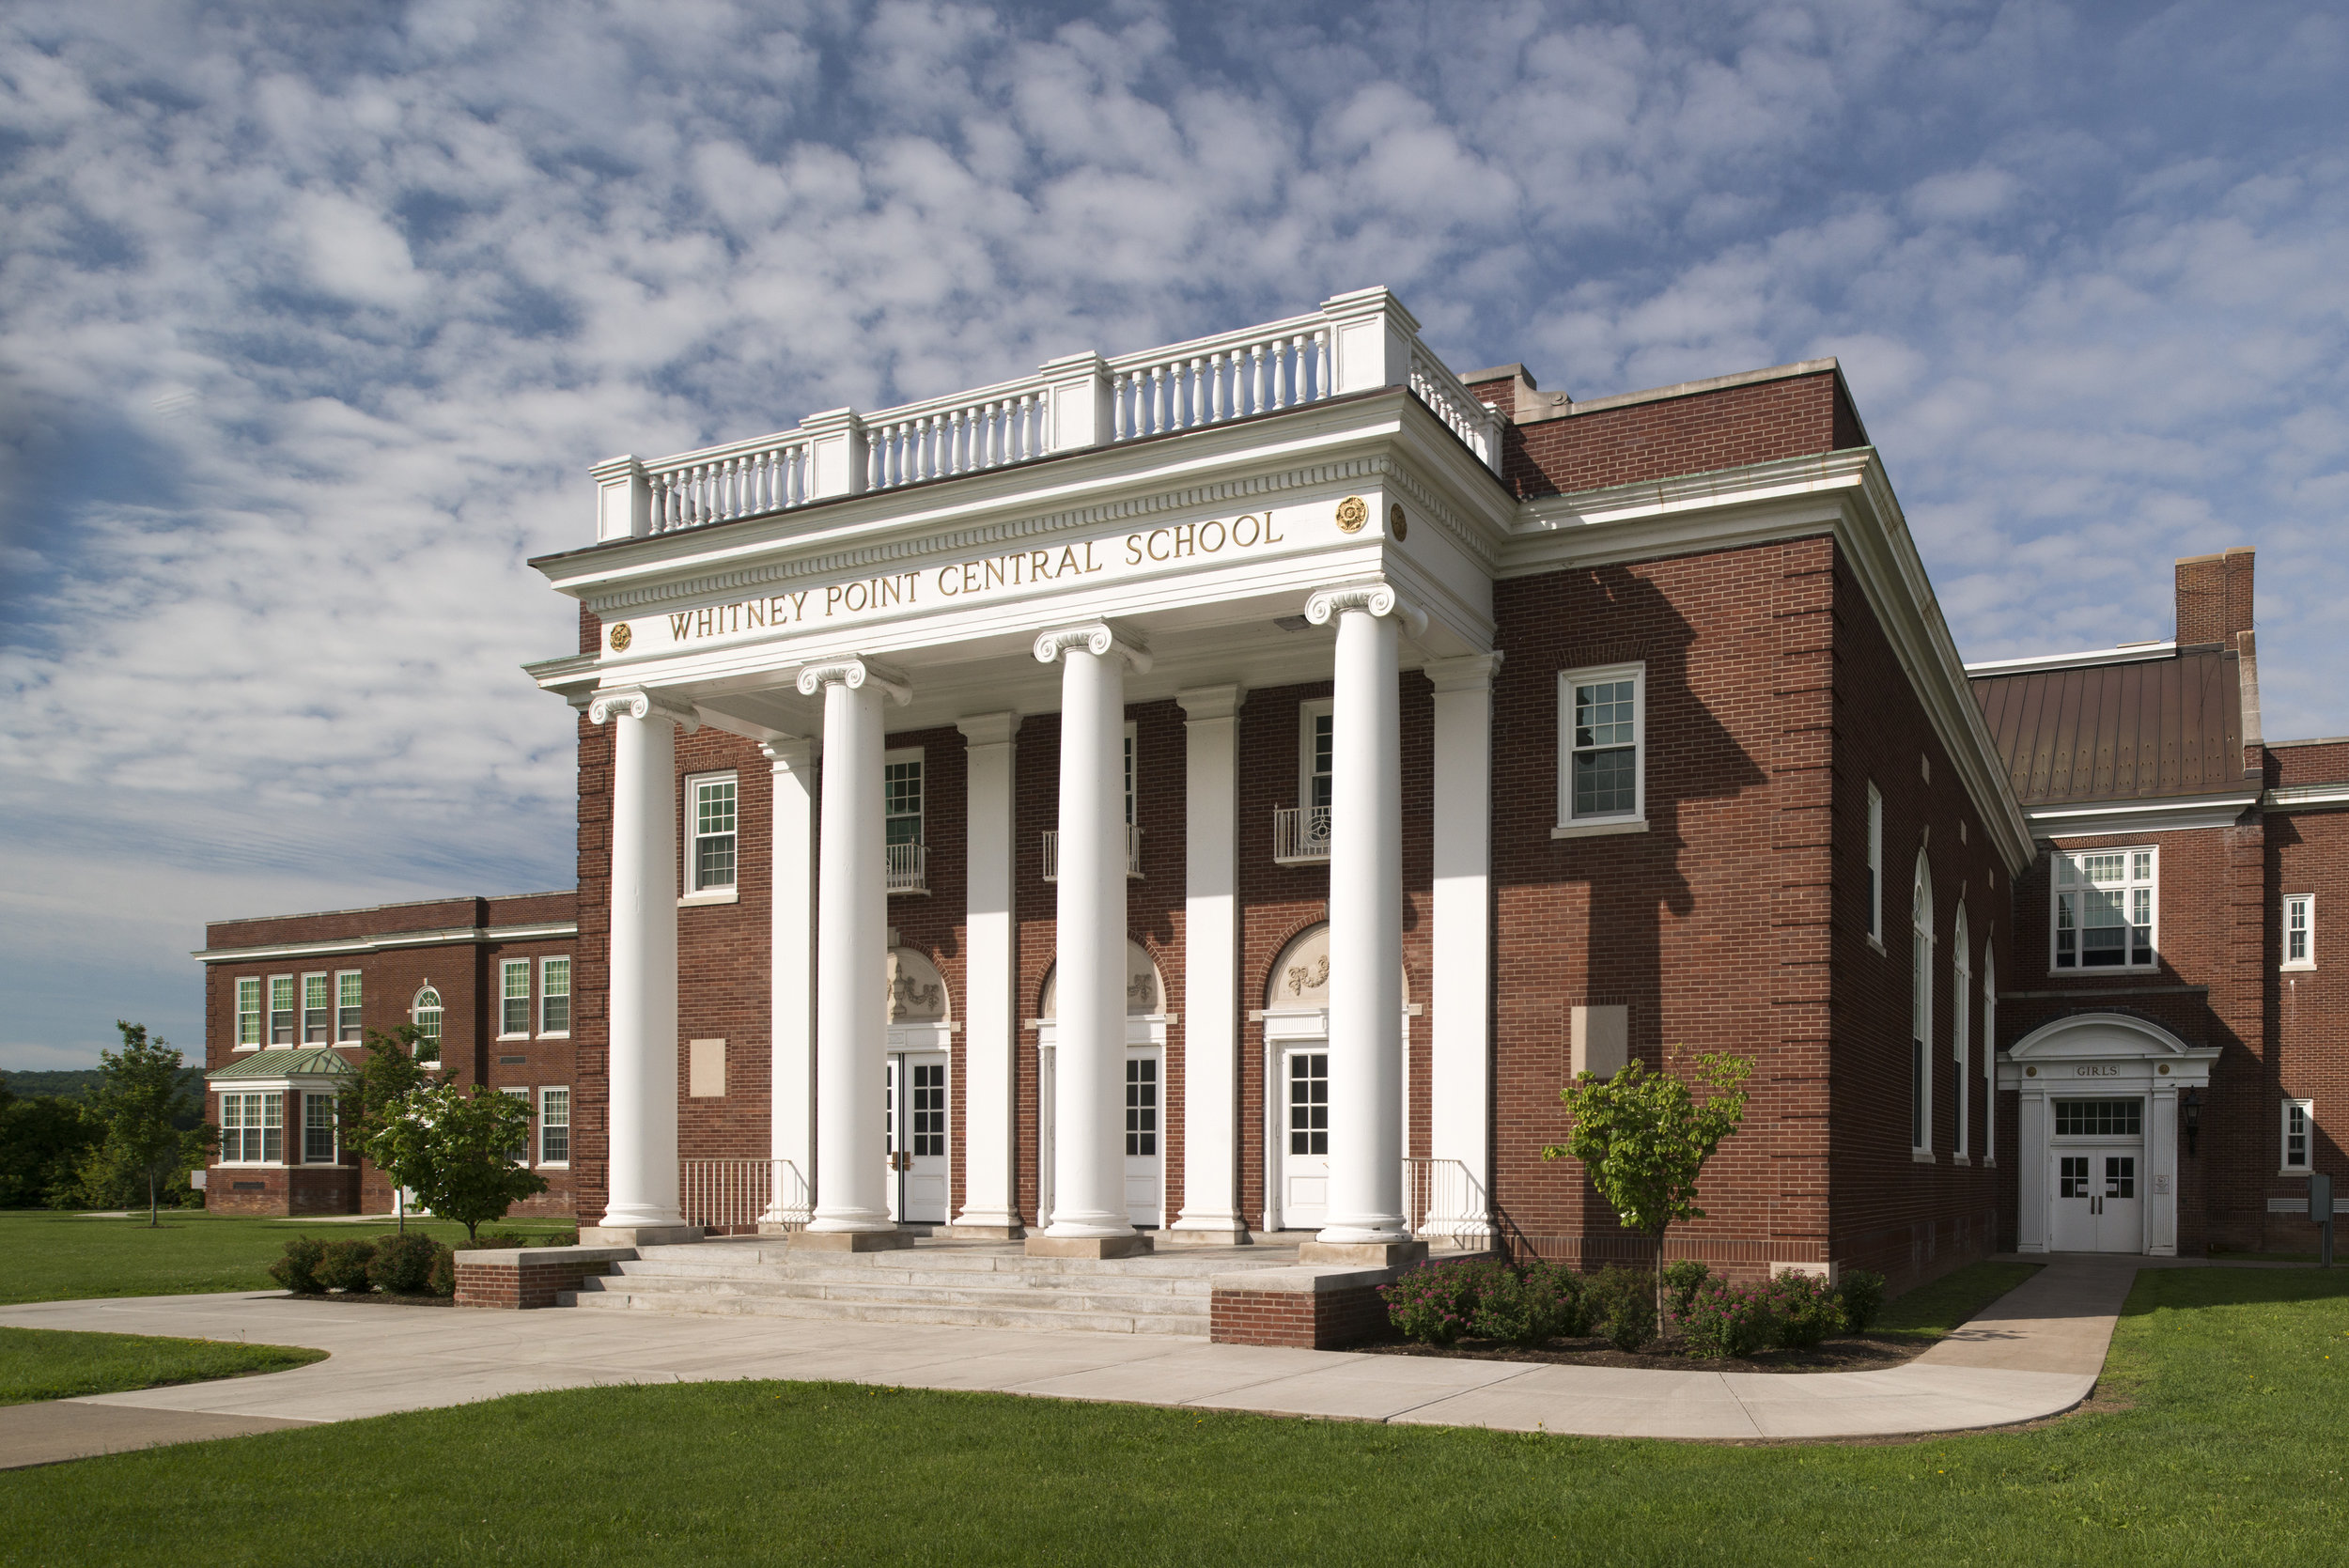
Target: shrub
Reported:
[(402, 1265), (442, 1279), (1531, 1306), (297, 1271), (1681, 1278), (1561, 1288), (1863, 1298), (1724, 1319), (1807, 1309), (498, 1241), (343, 1266), (1436, 1305), (1623, 1301)]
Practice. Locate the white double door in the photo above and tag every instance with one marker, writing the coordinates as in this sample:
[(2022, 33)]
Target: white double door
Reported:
[(2099, 1203), (1144, 1134), (1301, 1122), (917, 1137)]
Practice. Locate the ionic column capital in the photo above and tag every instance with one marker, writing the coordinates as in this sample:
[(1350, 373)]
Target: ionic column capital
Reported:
[(1094, 637), (855, 672), (630, 702), (1373, 598)]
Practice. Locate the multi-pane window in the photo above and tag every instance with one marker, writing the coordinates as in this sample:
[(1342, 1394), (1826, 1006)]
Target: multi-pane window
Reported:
[(2105, 1118), (1142, 1105), (1318, 754), (514, 996), (2074, 1177), (2300, 931), (2103, 909), (1605, 742), (252, 1128), (1129, 772), (1920, 1010), (248, 1013), (281, 1010), (347, 993), (317, 1009), (1961, 1025), (901, 800), (1989, 1053), (554, 1127), (709, 856), (318, 1130), (929, 1109), (2297, 1115), (1309, 1103), (520, 1153), (427, 1014), (554, 996), (1875, 864)]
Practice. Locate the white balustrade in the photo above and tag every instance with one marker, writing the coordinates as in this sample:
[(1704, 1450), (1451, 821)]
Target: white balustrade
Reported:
[(1477, 425), (1051, 852), (1301, 834), (909, 868), (731, 1195), (1212, 379), (747, 479), (1441, 1199), (963, 434)]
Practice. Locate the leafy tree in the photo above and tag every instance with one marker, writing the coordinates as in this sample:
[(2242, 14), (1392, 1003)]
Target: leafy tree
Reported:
[(1643, 1138), (43, 1138), (140, 1100), (387, 1075), (455, 1151)]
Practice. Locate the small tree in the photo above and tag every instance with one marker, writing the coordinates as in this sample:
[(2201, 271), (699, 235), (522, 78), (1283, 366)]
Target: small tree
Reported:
[(456, 1151), (387, 1075), (140, 1098), (1643, 1139)]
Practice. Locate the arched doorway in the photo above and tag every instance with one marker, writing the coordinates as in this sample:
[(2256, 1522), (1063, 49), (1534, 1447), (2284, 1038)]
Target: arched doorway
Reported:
[(1146, 1019), (1296, 1019), (921, 1029)]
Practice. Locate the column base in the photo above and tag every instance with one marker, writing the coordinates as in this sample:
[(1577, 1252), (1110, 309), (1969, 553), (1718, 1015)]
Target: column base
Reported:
[(1201, 1236), (638, 1235), (851, 1241), (984, 1233), (1088, 1246), (1363, 1255)]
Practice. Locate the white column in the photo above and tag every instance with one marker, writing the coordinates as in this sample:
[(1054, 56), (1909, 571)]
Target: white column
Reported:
[(643, 1189), (1461, 1060), (989, 1204), (1211, 966), (851, 953), (791, 984), (2161, 1170), (1089, 1056), (1366, 919)]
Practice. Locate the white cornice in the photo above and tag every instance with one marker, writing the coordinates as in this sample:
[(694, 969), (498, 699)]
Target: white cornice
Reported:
[(2104, 817), (352, 946), (2136, 653), (2324, 796)]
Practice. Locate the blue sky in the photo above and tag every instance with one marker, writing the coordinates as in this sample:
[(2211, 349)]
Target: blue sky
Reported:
[(312, 318)]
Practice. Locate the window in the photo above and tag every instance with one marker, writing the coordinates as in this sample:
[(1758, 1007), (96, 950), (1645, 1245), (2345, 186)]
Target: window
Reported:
[(2103, 909), (252, 1129), (1961, 1023), (2105, 1118), (248, 1013), (1875, 866), (1989, 1053), (2300, 1115), (554, 1127), (1602, 777), (514, 999), (317, 1013), (1131, 732), (1309, 1103), (901, 789), (929, 1110), (318, 1130), (1921, 1011), (710, 833), (520, 1153), (1142, 1105), (281, 1010), (426, 1015), (346, 987), (554, 996), (2300, 931), (1313, 755)]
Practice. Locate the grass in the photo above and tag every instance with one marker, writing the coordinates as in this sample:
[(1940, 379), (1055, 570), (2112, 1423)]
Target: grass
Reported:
[(1933, 1310), (52, 1363), (2233, 1445), (64, 1257)]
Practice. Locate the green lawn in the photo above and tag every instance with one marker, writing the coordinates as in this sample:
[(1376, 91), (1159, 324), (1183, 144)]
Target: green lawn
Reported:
[(1933, 1310), (2233, 1448), (64, 1257), (52, 1363)]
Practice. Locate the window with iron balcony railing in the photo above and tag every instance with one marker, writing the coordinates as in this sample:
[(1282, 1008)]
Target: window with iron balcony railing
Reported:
[(1051, 852), (1301, 835)]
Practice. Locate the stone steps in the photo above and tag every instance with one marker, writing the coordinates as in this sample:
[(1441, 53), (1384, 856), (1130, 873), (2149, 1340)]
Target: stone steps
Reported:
[(1010, 1294)]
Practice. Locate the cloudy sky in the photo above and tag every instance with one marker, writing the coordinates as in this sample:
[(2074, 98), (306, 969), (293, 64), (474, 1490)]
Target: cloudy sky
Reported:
[(312, 317)]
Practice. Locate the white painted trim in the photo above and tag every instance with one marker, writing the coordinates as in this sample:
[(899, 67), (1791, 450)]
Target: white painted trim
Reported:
[(2134, 653), (546, 931), (689, 794), (2284, 962), (1459, 1051), (2056, 890), (2139, 817), (1606, 829), (1211, 974), (990, 1001), (2324, 796), (1634, 820), (2284, 1108)]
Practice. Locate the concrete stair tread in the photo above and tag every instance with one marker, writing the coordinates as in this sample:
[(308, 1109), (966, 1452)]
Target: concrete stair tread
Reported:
[(661, 1268), (880, 1311), (807, 1289)]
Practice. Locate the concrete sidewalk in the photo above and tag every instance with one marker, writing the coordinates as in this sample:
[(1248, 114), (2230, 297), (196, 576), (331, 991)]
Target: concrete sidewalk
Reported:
[(2034, 1353)]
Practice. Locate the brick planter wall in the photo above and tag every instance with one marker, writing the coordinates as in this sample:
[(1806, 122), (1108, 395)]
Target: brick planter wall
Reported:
[(523, 1278), (1304, 1307)]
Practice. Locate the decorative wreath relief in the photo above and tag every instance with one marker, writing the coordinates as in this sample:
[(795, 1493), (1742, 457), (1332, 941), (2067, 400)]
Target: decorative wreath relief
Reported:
[(621, 638), (1352, 514), (1395, 524)]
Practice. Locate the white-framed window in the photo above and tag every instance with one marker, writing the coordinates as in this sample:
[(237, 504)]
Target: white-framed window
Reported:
[(1875, 866), (554, 1127), (710, 835), (520, 1153), (514, 999), (1990, 1050), (249, 1012), (349, 988), (1921, 1011), (281, 1010), (2105, 909), (2299, 1122), (1133, 773), (554, 996), (319, 1144), (1961, 1024), (2299, 931), (252, 1129), (424, 1013), (1602, 762), (317, 1008), (1316, 755), (901, 797)]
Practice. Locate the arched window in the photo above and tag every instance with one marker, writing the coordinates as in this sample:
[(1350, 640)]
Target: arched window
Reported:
[(1990, 1050), (1960, 1020), (1921, 1011), (425, 1014)]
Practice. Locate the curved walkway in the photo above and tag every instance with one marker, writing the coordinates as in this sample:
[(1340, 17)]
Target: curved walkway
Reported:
[(2035, 1352)]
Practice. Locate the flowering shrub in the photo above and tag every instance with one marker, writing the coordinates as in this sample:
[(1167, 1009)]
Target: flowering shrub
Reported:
[(1529, 1308), (1623, 1300), (1805, 1309), (1722, 1319), (1863, 1298), (1438, 1304)]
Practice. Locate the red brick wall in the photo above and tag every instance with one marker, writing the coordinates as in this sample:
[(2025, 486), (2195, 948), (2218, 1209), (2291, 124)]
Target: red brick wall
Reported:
[(1797, 416), (1302, 1320)]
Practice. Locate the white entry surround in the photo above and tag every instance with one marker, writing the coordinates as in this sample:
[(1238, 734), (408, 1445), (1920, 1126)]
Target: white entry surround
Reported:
[(2098, 1057)]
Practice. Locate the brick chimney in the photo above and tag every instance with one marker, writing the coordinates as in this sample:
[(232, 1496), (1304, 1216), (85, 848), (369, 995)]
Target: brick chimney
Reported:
[(2213, 598)]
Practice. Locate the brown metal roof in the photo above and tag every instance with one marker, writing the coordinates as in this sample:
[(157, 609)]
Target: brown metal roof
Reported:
[(2138, 730)]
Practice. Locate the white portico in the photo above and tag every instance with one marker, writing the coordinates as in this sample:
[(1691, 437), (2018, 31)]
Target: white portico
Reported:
[(1312, 500)]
